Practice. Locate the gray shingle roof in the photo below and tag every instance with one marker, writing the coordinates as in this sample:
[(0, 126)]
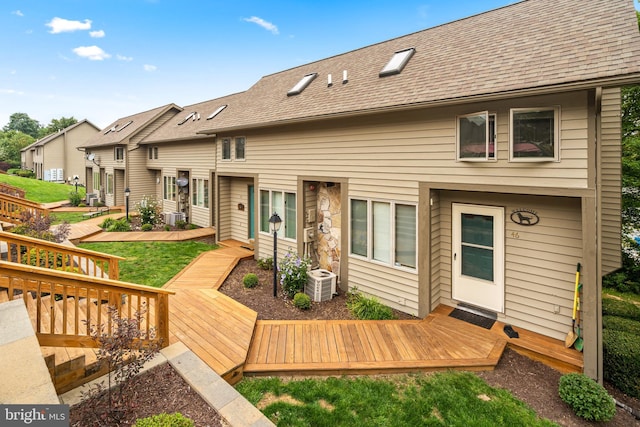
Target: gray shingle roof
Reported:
[(42, 141), (138, 122), (175, 129), (531, 44)]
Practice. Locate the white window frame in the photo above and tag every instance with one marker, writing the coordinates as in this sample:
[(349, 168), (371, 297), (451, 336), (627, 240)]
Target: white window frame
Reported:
[(200, 192), (490, 138), (556, 135), (169, 188), (287, 233), (110, 183), (153, 153), (392, 233), (118, 154), (225, 142)]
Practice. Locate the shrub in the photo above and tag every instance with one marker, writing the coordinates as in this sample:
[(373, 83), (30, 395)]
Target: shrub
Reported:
[(587, 398), (250, 280), (620, 308), (75, 198), (181, 225), (44, 259), (82, 205), (119, 225), (107, 223), (293, 273), (149, 210), (265, 263), (367, 308), (39, 226), (621, 324), (191, 227), (146, 227), (25, 173), (165, 420), (167, 228), (302, 301), (621, 355)]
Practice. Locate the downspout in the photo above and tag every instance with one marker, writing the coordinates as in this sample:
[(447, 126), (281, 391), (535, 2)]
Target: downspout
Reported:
[(598, 269)]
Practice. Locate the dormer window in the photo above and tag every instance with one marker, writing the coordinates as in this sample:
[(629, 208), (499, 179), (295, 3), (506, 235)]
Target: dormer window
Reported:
[(216, 112), (302, 84), (397, 62)]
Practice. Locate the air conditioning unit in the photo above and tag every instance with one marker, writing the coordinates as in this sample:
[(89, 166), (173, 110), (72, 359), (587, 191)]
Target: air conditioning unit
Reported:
[(321, 285), (170, 218)]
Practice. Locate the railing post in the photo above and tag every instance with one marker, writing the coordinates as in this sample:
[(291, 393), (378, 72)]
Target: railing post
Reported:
[(162, 314)]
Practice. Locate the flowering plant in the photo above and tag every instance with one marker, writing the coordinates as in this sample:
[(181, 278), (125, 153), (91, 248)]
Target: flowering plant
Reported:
[(293, 273), (149, 210)]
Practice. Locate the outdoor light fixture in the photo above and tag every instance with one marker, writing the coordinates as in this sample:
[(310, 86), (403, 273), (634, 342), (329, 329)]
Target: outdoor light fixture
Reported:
[(76, 178), (275, 222), (127, 193)]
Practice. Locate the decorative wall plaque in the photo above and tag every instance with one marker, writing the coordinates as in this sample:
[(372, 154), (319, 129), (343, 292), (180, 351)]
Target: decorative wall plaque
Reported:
[(525, 217)]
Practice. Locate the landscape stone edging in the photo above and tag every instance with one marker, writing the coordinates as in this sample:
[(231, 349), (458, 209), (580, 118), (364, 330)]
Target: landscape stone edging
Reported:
[(221, 396)]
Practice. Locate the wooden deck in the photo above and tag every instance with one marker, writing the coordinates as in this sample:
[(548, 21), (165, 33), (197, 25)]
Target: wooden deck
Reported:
[(214, 326), (367, 347)]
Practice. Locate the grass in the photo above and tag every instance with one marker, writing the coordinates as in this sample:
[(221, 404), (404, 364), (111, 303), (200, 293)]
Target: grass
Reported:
[(624, 296), (151, 263), (73, 217), (41, 191), (441, 399)]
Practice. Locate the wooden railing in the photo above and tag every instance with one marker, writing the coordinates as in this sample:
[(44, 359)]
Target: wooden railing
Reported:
[(64, 306), (11, 190), (11, 208), (41, 253)]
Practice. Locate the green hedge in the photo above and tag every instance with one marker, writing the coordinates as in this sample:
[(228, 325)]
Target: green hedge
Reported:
[(615, 307), (621, 324), (165, 420), (621, 353)]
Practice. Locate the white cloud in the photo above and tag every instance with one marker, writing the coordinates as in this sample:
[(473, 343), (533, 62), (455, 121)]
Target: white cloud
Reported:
[(96, 34), (264, 24), (150, 68), (61, 25), (11, 92), (94, 53), (17, 13), (124, 58)]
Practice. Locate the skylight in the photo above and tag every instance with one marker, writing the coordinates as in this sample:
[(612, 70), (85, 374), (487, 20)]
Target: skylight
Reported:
[(125, 125), (193, 115), (218, 111), (397, 62), (302, 84)]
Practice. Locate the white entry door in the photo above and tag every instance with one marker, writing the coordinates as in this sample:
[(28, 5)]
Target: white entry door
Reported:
[(478, 255)]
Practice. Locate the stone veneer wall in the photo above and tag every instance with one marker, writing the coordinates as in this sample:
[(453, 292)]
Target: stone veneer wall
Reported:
[(329, 227)]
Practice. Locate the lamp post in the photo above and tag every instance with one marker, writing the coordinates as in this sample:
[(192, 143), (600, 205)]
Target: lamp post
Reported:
[(75, 181), (127, 193), (275, 222)]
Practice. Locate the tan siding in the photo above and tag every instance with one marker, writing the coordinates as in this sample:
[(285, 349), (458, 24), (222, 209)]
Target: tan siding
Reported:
[(436, 255), (141, 181), (74, 158), (540, 260), (153, 126), (610, 180), (417, 146), (224, 228), (53, 155)]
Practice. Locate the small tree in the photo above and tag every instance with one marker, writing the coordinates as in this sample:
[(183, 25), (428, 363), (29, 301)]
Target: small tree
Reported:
[(125, 350), (37, 225)]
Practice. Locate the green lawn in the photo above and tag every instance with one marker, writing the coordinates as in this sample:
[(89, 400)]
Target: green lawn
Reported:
[(441, 399), (73, 217), (41, 191), (151, 263)]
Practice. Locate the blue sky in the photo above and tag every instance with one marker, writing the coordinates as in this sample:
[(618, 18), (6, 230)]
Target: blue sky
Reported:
[(105, 59)]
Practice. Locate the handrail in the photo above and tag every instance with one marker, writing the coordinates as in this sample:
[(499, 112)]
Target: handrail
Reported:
[(11, 190), (11, 208), (29, 250), (60, 322)]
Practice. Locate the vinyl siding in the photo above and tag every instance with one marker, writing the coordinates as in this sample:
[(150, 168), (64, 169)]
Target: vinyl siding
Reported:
[(417, 145), (540, 260), (436, 255), (610, 166), (196, 157), (53, 155)]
